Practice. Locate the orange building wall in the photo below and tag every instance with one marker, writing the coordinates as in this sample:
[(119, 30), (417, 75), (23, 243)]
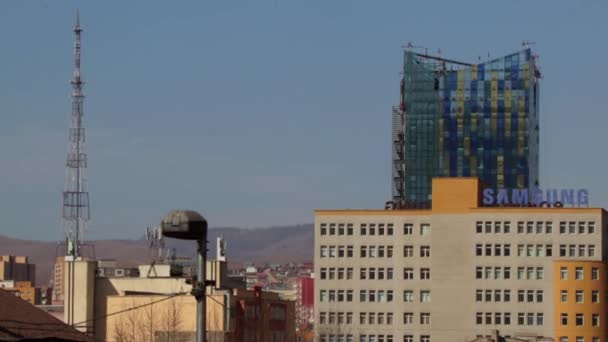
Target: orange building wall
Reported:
[(587, 308)]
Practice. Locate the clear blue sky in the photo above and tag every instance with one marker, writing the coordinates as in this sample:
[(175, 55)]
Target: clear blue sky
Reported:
[(258, 112)]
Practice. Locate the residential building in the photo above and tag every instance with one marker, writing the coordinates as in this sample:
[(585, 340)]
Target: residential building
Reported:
[(17, 268), (165, 309), (21, 321), (57, 280), (460, 119), (460, 270)]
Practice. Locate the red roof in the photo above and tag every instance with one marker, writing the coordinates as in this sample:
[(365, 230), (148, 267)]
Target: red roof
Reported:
[(20, 320)]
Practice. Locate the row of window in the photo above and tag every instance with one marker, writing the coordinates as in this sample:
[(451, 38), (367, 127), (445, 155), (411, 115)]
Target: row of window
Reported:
[(376, 318), (579, 273), (339, 273), (579, 296), (504, 318), (373, 273), (579, 319), (372, 296), (535, 227), (530, 250), (370, 229), (498, 272), (579, 339), (424, 318), (369, 338), (408, 273), (504, 296)]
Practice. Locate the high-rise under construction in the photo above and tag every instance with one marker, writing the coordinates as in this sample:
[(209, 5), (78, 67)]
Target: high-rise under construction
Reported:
[(460, 119)]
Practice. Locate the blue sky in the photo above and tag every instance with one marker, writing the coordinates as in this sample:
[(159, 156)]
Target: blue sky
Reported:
[(256, 113)]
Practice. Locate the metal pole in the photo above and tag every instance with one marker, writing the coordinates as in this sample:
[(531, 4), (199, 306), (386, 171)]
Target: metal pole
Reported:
[(201, 297)]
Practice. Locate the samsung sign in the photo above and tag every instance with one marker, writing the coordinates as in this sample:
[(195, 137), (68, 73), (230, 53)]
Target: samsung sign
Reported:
[(536, 197)]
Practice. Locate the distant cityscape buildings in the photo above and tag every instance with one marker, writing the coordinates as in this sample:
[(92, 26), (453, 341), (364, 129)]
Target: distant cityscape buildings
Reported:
[(459, 119)]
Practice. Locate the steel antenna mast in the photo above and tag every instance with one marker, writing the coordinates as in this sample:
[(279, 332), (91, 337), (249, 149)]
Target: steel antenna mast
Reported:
[(76, 212)]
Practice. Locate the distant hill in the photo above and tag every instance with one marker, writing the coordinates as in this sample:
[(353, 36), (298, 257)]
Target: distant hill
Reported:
[(259, 245)]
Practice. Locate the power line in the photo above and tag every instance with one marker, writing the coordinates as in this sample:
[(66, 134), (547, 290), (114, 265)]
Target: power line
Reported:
[(144, 305)]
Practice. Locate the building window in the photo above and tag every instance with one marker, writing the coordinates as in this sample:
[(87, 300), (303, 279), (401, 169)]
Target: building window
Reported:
[(571, 227), (579, 319), (371, 296), (595, 297), (425, 338), (372, 229), (539, 227), (507, 316), (363, 273), (341, 229), (479, 249), (521, 294), (520, 250), (362, 296), (507, 296), (572, 250), (562, 251), (408, 296), (540, 250), (479, 318), (530, 272), (349, 229), (520, 227), (529, 227), (425, 296), (506, 249), (581, 250), (530, 250), (322, 317), (488, 272), (408, 251), (349, 273), (563, 339), (539, 296), (591, 227), (425, 229), (389, 296), (380, 251), (595, 339), (363, 252), (497, 249), (580, 339), (389, 318), (591, 250), (488, 225), (507, 272), (408, 338), (332, 273), (349, 295), (530, 296), (332, 251), (425, 273), (478, 272), (478, 295), (389, 273), (540, 273), (363, 229), (549, 249), (479, 227), (323, 229), (581, 227), (507, 227), (389, 229), (425, 251), (408, 229), (323, 295), (521, 273), (595, 320), (564, 296), (323, 251), (564, 318), (332, 229), (497, 318), (497, 227), (488, 250), (371, 318), (594, 273), (408, 318), (563, 273), (488, 295), (530, 319), (579, 296), (323, 273), (425, 318), (349, 251), (579, 273), (548, 227), (340, 251), (521, 318), (381, 229), (372, 251), (408, 273), (539, 319), (389, 251), (497, 296)]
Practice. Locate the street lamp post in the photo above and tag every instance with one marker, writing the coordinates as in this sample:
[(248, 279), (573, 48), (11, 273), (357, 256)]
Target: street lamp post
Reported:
[(190, 225)]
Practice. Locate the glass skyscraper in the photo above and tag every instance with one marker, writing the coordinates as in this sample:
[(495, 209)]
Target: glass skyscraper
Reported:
[(465, 120)]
